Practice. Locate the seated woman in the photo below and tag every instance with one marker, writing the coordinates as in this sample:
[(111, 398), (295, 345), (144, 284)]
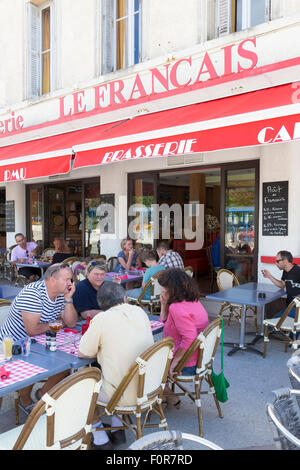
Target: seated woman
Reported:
[(184, 317), (128, 258), (62, 250), (150, 259)]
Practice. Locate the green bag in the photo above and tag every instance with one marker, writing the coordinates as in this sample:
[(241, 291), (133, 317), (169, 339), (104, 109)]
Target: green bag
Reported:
[(220, 382)]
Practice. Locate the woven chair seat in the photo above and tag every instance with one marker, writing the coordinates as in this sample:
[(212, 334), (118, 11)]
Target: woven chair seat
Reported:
[(287, 325)]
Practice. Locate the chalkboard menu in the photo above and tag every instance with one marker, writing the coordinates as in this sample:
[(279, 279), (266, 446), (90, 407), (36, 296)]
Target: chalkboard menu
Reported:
[(275, 208), (10, 216)]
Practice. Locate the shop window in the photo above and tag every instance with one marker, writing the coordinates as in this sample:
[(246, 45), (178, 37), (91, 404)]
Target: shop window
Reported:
[(41, 48), (121, 34), (236, 15)]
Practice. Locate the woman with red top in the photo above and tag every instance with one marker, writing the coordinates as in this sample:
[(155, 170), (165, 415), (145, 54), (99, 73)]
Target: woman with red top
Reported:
[(184, 317)]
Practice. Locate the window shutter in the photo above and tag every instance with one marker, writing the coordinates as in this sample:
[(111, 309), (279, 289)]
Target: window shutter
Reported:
[(108, 36), (223, 17), (34, 38)]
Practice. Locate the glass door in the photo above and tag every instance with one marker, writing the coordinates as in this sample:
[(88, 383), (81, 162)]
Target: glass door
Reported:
[(92, 218), (142, 196), (240, 209)]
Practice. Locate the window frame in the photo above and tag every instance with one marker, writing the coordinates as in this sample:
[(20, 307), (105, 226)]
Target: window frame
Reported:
[(40, 53)]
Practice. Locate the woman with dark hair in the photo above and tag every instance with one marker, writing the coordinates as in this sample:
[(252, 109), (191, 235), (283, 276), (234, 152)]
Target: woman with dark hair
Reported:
[(62, 250), (184, 317)]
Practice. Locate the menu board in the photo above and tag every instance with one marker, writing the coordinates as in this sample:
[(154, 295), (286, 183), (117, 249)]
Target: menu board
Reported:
[(275, 208), (10, 216)]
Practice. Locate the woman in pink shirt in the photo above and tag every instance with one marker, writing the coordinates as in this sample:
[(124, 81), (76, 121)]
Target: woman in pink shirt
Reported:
[(184, 317)]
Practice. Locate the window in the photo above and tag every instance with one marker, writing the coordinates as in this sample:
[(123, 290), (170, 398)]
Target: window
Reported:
[(40, 35), (121, 34), (235, 15)]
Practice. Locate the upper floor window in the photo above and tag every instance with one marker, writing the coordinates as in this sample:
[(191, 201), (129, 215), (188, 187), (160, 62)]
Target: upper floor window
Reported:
[(121, 34), (40, 35), (235, 15)]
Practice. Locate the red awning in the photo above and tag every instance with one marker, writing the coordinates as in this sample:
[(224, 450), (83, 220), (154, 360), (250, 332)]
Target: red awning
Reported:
[(250, 119)]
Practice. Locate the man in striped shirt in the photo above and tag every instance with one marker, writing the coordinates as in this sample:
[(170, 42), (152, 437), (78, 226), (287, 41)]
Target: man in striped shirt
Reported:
[(37, 305)]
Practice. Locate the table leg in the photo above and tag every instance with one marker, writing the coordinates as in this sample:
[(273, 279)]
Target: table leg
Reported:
[(260, 335), (243, 346)]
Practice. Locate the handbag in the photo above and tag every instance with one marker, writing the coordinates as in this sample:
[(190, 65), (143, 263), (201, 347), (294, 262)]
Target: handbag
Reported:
[(219, 381)]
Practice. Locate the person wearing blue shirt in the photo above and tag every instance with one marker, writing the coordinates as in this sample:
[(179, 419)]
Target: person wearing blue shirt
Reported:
[(149, 258), (85, 297), (215, 252), (128, 258)]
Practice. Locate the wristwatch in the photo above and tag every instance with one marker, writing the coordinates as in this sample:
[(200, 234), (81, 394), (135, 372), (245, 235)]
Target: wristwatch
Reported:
[(69, 301)]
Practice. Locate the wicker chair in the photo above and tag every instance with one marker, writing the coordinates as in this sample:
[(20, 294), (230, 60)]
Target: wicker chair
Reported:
[(70, 260), (293, 365), (169, 440), (189, 271), (226, 280), (148, 375), (284, 418), (53, 424), (206, 344), (285, 324), (48, 253), (153, 304), (111, 263)]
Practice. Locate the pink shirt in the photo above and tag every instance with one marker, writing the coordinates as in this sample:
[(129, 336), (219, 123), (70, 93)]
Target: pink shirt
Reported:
[(184, 323), (19, 252)]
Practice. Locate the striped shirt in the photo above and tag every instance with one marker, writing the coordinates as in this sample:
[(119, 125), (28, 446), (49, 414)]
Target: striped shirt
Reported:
[(33, 299)]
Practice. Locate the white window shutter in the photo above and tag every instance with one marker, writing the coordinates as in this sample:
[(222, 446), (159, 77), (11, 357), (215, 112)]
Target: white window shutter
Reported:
[(223, 17), (108, 36), (34, 38)]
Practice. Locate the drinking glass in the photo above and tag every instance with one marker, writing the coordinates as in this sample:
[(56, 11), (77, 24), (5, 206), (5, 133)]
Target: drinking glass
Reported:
[(7, 343)]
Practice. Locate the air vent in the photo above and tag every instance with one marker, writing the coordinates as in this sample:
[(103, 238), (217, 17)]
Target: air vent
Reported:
[(194, 158), (175, 160)]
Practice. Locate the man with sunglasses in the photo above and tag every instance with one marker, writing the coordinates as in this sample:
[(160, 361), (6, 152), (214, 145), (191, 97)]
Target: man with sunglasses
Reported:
[(290, 278), (85, 297), (22, 253), (37, 305)]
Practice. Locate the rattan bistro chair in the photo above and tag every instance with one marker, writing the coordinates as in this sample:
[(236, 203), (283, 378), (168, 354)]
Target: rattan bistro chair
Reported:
[(284, 418), (112, 263), (70, 260), (61, 419), (189, 271), (206, 344), (170, 440), (147, 376), (226, 280), (285, 324), (153, 304)]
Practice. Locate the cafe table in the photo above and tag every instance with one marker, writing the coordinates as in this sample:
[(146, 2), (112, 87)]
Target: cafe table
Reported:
[(42, 265), (125, 278), (254, 294)]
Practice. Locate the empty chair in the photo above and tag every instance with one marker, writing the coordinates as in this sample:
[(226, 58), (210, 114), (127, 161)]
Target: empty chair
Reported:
[(153, 303), (206, 344), (147, 377), (70, 260), (169, 440), (226, 280), (61, 419), (284, 324), (111, 263), (284, 418)]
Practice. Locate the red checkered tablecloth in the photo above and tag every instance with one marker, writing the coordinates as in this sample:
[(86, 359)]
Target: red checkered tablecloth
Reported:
[(155, 324), (19, 370), (61, 337)]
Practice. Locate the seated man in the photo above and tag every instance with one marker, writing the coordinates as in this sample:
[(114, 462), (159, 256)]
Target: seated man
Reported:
[(168, 258), (23, 253), (149, 258), (37, 305), (116, 337), (85, 297), (290, 278)]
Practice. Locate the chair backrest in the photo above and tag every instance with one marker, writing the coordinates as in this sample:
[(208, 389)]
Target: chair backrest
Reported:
[(169, 440), (100, 258), (48, 253), (148, 374), (189, 271), (226, 279), (295, 303), (69, 408), (111, 263), (293, 365), (284, 418), (206, 343), (70, 260)]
